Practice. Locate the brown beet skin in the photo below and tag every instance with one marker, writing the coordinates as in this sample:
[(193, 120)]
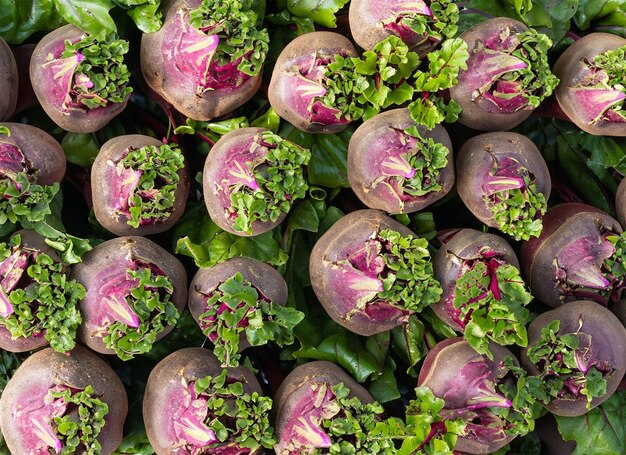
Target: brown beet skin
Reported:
[(163, 395), (42, 77), (570, 69), (107, 258), (78, 369), (365, 154), (608, 342), (9, 81), (105, 194)]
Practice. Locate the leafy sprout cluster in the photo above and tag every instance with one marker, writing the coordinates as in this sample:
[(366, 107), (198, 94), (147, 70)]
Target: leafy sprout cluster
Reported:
[(408, 280), (235, 307), (278, 182), (360, 87), (149, 299), (101, 76), (240, 40), (82, 423), (37, 296), (360, 428), (536, 79), (427, 160), (236, 417), (152, 198), (490, 299)]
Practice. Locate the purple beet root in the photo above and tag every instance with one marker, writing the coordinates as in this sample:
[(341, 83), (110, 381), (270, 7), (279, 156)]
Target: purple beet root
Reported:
[(591, 92), (576, 257), (298, 82), (51, 385), (399, 167), (581, 360)]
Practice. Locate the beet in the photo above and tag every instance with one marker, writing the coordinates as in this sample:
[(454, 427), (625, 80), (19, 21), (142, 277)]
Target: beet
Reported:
[(136, 291), (304, 400), (50, 389), (591, 92), (578, 256), (581, 359), (484, 296), (184, 412), (9, 81), (139, 185), (207, 58), (299, 81), (251, 179), (32, 273), (504, 181), (398, 166), (470, 384), (239, 303), (370, 273), (507, 75), (67, 74), (422, 25)]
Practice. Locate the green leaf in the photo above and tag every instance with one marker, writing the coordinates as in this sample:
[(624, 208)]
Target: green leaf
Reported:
[(269, 120), (346, 349), (384, 388), (20, 19), (320, 11), (80, 148), (91, 16), (601, 431), (198, 237), (146, 16), (135, 443)]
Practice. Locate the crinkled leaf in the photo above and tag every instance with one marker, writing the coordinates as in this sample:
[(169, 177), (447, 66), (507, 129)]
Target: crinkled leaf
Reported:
[(319, 11), (198, 237), (601, 431), (91, 16)]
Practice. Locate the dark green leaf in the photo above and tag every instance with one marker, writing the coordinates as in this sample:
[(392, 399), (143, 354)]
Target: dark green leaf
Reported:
[(601, 431)]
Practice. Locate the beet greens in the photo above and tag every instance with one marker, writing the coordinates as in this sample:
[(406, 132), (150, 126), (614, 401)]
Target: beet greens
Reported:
[(237, 307)]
